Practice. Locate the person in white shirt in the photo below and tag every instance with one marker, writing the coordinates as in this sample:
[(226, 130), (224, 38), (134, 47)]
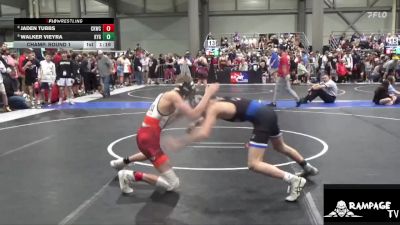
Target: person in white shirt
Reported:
[(326, 90), (145, 67), (184, 64), (4, 69), (127, 69), (348, 62), (47, 76)]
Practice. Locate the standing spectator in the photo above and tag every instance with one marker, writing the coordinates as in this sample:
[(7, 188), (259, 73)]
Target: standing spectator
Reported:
[(127, 69), (21, 70), (76, 65), (137, 68), (64, 78), (105, 68), (169, 72), (31, 67), (92, 73), (152, 70), (85, 70), (202, 69), (145, 68), (185, 65), (120, 70), (348, 62), (4, 69), (10, 59), (47, 76), (283, 78), (274, 63)]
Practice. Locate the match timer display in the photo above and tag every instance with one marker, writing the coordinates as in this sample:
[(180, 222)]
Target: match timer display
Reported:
[(78, 33)]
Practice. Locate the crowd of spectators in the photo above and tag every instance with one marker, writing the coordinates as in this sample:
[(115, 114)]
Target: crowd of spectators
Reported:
[(28, 78)]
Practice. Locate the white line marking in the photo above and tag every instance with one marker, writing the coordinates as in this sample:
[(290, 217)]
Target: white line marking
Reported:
[(342, 114), (25, 146), (213, 147), (316, 217), (71, 218), (342, 92), (14, 115), (360, 90), (30, 112), (323, 151), (219, 143), (67, 119)]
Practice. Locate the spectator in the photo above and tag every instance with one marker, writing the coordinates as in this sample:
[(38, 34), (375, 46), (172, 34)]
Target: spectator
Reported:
[(31, 67), (391, 89), (3, 70), (326, 90), (21, 70), (382, 96), (105, 68), (47, 76), (137, 68), (152, 70), (64, 78), (15, 97)]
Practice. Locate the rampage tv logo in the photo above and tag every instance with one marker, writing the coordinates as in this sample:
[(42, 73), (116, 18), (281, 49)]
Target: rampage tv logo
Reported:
[(341, 209), (360, 203)]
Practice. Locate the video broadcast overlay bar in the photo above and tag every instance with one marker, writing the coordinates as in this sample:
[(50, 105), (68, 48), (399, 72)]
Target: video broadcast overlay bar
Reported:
[(22, 28), (65, 44), (55, 21), (65, 36)]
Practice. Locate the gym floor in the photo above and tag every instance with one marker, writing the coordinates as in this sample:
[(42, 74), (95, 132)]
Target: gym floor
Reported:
[(55, 165)]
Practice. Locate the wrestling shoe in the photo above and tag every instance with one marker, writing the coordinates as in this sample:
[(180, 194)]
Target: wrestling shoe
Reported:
[(118, 164), (308, 170), (126, 180), (295, 187)]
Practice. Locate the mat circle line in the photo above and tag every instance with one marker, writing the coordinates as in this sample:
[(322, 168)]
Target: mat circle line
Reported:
[(322, 152)]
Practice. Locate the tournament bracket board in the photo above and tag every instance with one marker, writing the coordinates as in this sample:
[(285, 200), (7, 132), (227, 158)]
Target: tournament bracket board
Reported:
[(75, 33)]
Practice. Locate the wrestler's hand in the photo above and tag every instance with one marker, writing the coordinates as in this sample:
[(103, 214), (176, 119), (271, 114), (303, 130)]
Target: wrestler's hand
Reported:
[(211, 89), (173, 144)]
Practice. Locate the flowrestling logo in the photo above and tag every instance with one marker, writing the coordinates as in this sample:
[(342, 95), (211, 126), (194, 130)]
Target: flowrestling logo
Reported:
[(352, 204)]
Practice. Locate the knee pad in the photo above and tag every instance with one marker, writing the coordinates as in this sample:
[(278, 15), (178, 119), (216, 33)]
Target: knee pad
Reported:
[(172, 181)]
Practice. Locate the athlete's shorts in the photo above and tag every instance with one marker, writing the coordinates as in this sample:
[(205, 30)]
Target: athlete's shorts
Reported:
[(148, 141), (265, 124), (65, 82), (45, 85)]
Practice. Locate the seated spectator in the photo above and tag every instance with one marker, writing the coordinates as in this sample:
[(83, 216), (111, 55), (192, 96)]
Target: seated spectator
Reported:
[(15, 99), (391, 89), (382, 96), (326, 90)]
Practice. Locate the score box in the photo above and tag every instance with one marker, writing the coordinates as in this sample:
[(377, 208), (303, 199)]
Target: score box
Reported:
[(108, 36), (108, 27)]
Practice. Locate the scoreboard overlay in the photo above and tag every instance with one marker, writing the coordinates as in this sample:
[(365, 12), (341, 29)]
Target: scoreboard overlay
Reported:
[(77, 33)]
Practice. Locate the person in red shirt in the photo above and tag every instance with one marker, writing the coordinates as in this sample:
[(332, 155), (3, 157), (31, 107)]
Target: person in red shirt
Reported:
[(57, 58), (283, 78), (21, 70)]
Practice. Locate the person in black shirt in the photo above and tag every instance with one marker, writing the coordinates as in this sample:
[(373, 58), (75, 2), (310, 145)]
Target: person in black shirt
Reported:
[(15, 97), (31, 67), (152, 69), (382, 96), (265, 129), (65, 78)]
